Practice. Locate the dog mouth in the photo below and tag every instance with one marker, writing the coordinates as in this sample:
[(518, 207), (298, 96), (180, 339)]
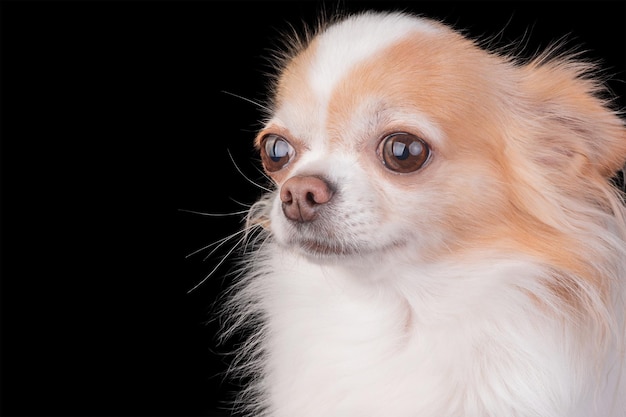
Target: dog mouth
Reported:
[(319, 248), (327, 249)]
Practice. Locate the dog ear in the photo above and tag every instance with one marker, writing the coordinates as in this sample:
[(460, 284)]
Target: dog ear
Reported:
[(573, 124)]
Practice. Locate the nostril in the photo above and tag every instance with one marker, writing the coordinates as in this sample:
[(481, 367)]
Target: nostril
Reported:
[(310, 198), (285, 195)]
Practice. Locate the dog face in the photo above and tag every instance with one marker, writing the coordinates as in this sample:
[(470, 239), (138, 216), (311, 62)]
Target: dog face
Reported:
[(393, 136)]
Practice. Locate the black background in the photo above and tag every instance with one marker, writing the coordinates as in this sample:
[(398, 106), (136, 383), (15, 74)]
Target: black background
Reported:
[(114, 118)]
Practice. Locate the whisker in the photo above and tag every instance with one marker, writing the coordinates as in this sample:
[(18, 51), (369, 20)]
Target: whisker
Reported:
[(267, 177), (259, 105), (244, 175), (247, 205), (248, 241), (201, 213), (221, 242), (220, 263), (218, 243), (242, 238)]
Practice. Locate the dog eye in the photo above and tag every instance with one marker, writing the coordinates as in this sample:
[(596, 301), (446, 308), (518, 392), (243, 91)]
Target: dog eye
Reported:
[(276, 152), (403, 152)]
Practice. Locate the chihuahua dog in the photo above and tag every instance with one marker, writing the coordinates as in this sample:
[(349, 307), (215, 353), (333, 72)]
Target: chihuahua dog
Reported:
[(444, 238)]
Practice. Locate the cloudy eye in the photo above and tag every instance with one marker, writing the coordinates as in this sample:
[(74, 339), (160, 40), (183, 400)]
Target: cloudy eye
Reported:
[(276, 152), (403, 152)]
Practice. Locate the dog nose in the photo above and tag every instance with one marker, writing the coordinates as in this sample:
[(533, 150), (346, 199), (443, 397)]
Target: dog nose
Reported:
[(302, 196)]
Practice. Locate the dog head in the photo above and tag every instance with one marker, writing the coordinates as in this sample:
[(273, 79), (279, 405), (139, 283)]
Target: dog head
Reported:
[(395, 135)]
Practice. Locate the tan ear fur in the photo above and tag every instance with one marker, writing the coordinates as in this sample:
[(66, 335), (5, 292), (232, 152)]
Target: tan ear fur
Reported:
[(576, 126)]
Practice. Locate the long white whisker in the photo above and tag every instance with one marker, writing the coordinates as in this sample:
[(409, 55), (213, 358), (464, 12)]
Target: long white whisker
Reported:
[(248, 231), (235, 213), (218, 265), (259, 105), (263, 173), (244, 175), (247, 205), (221, 242), (218, 243)]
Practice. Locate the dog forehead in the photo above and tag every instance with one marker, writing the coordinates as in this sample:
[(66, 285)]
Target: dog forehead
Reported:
[(307, 86), (344, 45)]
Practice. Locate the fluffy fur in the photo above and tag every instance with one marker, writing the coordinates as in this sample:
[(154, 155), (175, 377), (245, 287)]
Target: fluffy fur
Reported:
[(491, 281)]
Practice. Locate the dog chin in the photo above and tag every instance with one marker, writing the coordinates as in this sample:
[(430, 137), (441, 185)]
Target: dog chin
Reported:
[(334, 251)]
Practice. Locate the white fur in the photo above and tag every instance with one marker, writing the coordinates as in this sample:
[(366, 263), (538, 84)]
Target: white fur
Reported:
[(436, 340), (440, 341)]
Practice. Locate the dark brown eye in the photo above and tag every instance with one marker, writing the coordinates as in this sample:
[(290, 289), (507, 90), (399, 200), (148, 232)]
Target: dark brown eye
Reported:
[(403, 152), (276, 152)]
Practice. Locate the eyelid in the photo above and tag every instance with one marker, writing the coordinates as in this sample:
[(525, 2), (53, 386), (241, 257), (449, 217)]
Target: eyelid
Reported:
[(272, 126), (414, 121)]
